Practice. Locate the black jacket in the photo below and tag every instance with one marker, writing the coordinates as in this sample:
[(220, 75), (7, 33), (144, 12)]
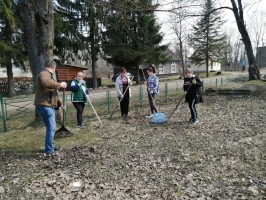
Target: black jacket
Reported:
[(193, 91)]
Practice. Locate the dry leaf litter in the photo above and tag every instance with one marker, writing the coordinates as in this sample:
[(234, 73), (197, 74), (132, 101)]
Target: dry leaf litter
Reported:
[(221, 157)]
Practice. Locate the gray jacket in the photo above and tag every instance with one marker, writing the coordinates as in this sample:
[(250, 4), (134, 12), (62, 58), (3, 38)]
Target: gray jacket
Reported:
[(119, 85)]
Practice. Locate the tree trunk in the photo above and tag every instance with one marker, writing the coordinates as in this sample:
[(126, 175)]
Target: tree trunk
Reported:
[(93, 61), (38, 21), (93, 51), (11, 88), (254, 72)]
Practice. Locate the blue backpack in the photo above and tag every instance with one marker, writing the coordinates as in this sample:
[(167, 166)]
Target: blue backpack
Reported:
[(159, 118)]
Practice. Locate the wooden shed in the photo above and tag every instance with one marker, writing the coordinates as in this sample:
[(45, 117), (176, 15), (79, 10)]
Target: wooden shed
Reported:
[(67, 73)]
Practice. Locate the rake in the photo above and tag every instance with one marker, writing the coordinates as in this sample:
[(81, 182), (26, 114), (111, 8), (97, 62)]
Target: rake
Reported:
[(120, 100), (63, 131), (84, 91), (180, 100)]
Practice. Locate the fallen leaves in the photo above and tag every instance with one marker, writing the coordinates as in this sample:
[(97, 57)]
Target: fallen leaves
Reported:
[(221, 157)]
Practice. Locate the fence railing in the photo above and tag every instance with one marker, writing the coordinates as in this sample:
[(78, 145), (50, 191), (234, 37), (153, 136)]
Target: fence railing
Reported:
[(106, 100)]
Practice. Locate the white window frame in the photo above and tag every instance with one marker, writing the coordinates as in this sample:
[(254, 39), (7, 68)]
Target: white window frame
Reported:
[(161, 69), (173, 67)]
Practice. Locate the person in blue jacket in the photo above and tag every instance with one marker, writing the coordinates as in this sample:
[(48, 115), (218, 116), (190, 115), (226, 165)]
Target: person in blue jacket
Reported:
[(79, 97), (193, 96), (152, 88)]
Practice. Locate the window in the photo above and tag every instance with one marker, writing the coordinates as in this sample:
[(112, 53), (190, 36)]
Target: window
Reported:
[(173, 67), (161, 69)]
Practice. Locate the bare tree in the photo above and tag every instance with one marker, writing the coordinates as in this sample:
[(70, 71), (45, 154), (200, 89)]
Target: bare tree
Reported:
[(257, 23), (254, 72), (38, 21)]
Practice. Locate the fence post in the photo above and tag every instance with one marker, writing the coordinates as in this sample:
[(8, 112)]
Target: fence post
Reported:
[(166, 91), (140, 95), (202, 85), (3, 112), (216, 82), (221, 80), (108, 101)]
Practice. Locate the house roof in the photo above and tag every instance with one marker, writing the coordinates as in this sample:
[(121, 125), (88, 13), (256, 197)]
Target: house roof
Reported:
[(145, 66), (75, 66), (171, 55)]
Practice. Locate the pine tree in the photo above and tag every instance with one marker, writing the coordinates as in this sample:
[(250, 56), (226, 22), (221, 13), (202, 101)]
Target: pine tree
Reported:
[(207, 37), (77, 33), (132, 35), (11, 45)]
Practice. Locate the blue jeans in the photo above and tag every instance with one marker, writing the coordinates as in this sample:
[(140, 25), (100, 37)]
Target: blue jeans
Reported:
[(48, 116)]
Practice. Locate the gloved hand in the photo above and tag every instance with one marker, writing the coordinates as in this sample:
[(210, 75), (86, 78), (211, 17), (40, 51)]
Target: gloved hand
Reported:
[(121, 96), (87, 96), (194, 82), (81, 82)]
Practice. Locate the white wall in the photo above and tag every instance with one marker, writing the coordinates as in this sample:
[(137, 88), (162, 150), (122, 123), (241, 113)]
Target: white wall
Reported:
[(216, 67)]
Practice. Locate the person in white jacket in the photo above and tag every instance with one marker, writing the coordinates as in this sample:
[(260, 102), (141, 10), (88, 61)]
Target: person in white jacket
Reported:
[(122, 84)]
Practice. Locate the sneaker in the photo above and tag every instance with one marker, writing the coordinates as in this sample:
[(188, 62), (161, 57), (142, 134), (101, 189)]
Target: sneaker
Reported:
[(81, 126), (57, 148), (50, 155), (190, 120), (151, 116), (194, 121)]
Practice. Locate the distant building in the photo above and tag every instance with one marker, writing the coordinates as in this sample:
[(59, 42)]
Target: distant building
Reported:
[(261, 56), (213, 66), (172, 67)]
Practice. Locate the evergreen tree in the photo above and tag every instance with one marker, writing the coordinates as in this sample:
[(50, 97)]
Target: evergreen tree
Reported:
[(207, 37), (11, 45), (77, 33), (132, 35)]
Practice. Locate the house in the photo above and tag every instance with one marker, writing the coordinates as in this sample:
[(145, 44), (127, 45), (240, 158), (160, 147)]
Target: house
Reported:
[(172, 67), (213, 66), (261, 56)]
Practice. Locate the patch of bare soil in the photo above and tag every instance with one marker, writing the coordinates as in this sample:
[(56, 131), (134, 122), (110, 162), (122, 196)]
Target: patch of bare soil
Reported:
[(221, 157)]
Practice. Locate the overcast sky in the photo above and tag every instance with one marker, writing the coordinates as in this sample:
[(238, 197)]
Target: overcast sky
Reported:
[(249, 7)]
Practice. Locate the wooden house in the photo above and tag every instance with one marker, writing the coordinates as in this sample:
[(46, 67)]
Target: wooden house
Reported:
[(67, 73)]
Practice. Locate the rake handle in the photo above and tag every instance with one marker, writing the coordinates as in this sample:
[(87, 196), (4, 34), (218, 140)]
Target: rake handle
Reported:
[(120, 100), (180, 100), (64, 96)]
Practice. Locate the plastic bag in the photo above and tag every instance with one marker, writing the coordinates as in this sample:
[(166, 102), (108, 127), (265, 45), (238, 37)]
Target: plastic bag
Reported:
[(159, 118)]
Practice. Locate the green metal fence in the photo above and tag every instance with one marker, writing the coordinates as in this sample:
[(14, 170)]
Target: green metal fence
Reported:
[(104, 102)]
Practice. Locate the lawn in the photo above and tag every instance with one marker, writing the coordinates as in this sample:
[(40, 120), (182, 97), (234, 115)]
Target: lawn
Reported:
[(221, 157)]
